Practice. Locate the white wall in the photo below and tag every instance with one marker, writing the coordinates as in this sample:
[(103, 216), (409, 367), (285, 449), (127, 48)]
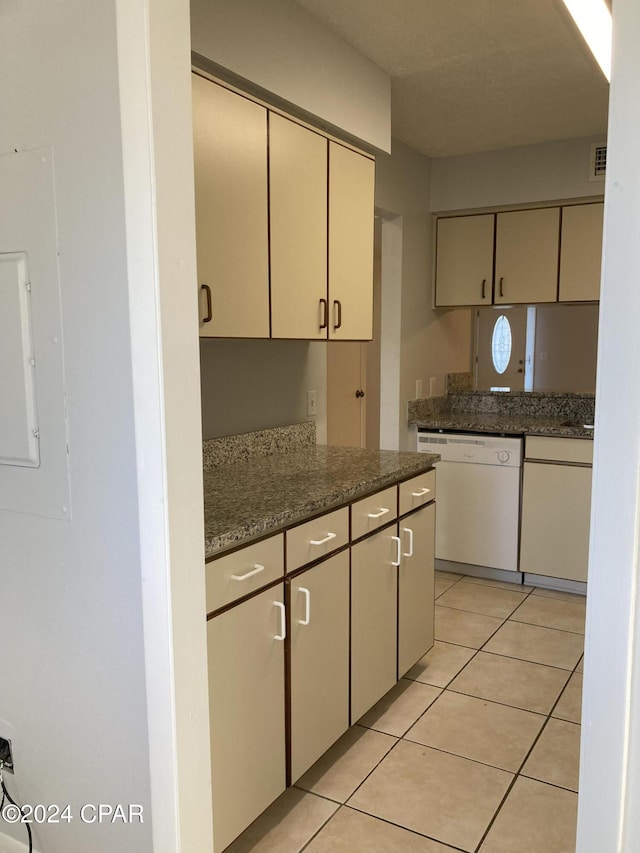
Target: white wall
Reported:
[(250, 385), (531, 173), (432, 343), (87, 630), (283, 49), (608, 817)]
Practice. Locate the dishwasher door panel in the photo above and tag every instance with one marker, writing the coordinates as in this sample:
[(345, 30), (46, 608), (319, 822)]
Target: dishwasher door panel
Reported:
[(477, 514)]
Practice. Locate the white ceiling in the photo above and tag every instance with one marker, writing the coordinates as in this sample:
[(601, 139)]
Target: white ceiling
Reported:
[(476, 75)]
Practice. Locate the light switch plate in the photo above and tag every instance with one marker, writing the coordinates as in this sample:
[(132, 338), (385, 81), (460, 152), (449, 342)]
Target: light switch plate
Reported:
[(311, 403)]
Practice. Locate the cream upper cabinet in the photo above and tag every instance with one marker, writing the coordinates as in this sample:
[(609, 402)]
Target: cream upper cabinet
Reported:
[(527, 243), (284, 224), (298, 221), (351, 208), (581, 252), (230, 169), (464, 260)]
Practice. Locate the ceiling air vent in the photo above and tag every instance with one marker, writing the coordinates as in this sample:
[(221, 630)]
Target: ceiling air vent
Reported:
[(598, 161)]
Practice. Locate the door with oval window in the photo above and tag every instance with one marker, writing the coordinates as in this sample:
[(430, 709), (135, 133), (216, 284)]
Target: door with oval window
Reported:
[(501, 335)]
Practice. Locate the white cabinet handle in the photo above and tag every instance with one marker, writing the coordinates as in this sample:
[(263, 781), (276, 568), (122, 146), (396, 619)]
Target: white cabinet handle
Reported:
[(327, 538), (254, 571), (408, 553), (396, 562), (283, 622), (307, 612), (421, 493), (383, 511)]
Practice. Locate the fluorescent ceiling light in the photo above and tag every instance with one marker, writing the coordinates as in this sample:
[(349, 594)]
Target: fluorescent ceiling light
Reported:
[(593, 19)]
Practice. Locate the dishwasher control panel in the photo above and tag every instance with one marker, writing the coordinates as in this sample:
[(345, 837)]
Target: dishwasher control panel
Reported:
[(477, 449)]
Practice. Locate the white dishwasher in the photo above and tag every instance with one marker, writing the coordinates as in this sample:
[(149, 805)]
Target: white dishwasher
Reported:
[(478, 508)]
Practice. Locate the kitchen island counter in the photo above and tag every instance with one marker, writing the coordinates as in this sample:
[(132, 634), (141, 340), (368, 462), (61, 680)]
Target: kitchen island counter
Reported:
[(266, 493)]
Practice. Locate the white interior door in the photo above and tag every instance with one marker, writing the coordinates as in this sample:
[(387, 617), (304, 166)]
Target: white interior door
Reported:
[(501, 335)]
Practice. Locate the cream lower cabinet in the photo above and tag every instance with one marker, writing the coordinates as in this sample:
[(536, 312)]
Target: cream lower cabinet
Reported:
[(247, 712), (374, 618), (293, 665), (556, 507), (416, 587), (318, 602)]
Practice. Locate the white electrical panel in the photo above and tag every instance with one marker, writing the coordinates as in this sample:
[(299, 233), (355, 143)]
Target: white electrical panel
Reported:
[(18, 425), (34, 439)]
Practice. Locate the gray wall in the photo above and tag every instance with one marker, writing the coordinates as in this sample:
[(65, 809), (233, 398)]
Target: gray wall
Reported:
[(250, 385), (282, 48), (522, 175), (432, 343)]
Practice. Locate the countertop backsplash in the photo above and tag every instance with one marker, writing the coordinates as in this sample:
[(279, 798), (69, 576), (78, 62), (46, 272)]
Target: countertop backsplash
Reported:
[(527, 404), (229, 449)]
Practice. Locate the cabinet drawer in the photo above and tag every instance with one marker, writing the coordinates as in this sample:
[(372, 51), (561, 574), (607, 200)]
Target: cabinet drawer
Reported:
[(373, 511), (417, 491), (314, 539), (559, 449), (229, 578)]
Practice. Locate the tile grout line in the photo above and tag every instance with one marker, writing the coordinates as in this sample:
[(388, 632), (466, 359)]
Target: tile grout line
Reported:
[(510, 618), (382, 820)]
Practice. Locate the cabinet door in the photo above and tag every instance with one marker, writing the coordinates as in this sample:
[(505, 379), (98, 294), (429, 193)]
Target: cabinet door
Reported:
[(298, 222), (319, 608), (464, 260), (374, 614), (351, 209), (581, 252), (556, 507), (246, 698), (527, 243), (416, 587), (230, 170)]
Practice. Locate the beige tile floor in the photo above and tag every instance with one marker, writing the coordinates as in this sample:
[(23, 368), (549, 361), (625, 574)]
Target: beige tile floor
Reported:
[(476, 749)]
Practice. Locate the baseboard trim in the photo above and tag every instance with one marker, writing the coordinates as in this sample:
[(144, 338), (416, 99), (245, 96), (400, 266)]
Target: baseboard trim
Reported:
[(479, 571)]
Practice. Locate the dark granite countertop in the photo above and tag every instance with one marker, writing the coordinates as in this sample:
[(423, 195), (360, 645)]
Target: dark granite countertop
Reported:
[(245, 500), (509, 424)]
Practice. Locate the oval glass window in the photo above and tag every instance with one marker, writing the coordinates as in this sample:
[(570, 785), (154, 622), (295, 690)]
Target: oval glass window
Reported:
[(501, 344)]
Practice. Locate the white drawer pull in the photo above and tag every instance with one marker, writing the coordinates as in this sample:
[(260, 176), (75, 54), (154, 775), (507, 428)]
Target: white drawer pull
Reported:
[(307, 612), (396, 562), (383, 511), (421, 493), (255, 571), (327, 538), (283, 622), (408, 553)]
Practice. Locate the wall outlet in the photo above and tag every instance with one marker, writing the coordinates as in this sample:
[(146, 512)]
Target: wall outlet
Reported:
[(6, 753), (312, 405)]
